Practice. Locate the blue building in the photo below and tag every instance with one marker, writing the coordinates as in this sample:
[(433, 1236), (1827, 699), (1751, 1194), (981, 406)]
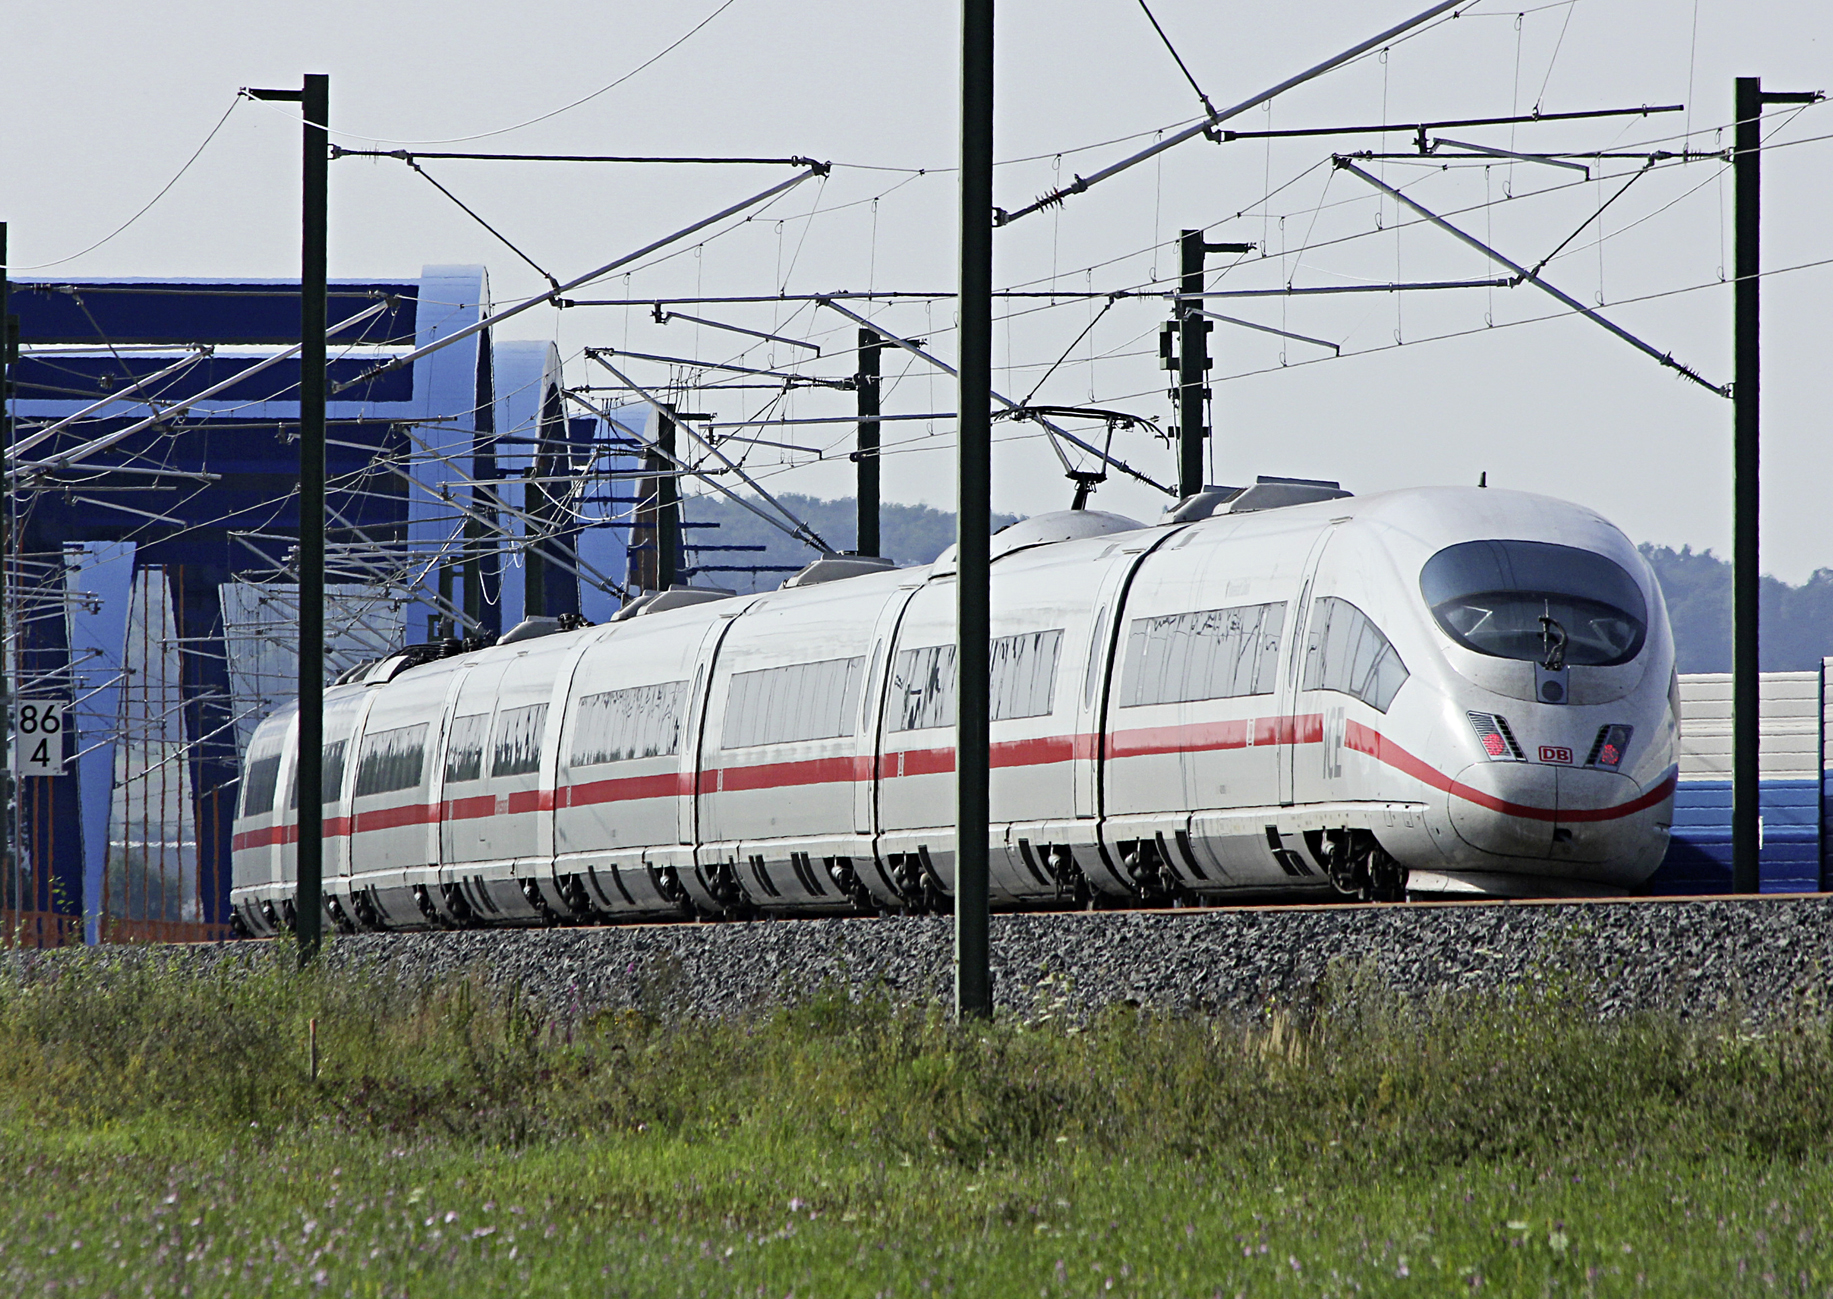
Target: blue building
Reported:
[(457, 502)]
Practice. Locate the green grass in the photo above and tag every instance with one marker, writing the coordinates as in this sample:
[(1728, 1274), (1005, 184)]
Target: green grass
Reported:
[(160, 1134)]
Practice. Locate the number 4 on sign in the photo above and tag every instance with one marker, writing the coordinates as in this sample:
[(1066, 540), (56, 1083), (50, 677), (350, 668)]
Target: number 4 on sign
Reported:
[(38, 738)]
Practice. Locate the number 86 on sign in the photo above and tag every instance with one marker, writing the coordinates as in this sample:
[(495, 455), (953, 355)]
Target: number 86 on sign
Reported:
[(38, 738)]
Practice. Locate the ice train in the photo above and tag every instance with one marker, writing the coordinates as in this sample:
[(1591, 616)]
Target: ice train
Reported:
[(1284, 691)]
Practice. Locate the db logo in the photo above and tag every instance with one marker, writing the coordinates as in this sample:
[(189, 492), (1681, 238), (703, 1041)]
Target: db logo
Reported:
[(1553, 753)]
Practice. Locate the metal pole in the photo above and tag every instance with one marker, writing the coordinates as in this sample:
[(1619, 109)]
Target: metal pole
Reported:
[(800, 532), (973, 479), (1192, 364), (1745, 502), (315, 107), (870, 345), (1746, 663), (668, 503)]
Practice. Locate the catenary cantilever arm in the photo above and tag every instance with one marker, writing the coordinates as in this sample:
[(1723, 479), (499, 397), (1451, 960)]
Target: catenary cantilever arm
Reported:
[(1525, 276), (1209, 123), (497, 317), (1007, 402), (800, 531), (33, 438)]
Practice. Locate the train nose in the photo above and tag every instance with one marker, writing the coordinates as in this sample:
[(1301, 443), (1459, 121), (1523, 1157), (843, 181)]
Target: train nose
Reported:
[(1606, 817), (1508, 808), (1568, 814)]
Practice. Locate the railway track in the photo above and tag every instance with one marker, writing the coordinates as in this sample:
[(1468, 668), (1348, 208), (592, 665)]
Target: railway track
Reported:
[(1757, 957)]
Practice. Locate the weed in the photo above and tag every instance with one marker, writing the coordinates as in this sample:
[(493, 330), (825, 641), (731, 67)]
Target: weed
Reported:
[(160, 1129)]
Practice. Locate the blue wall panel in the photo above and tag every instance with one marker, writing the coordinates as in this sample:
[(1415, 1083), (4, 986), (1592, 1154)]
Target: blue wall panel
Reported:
[(204, 311), (86, 378), (1699, 855)]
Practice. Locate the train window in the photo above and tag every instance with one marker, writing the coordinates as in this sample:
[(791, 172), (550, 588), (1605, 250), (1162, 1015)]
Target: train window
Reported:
[(518, 740), (330, 776), (1097, 656), (800, 701), (1208, 654), (636, 722), (1022, 681), (1024, 674), (465, 748), (331, 783), (1525, 599), (391, 760), (922, 692), (259, 784), (865, 708), (1346, 652)]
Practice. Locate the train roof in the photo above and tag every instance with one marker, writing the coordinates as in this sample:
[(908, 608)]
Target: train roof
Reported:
[(1414, 523)]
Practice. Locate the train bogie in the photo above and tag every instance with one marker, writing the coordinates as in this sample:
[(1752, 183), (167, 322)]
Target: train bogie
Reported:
[(1443, 690)]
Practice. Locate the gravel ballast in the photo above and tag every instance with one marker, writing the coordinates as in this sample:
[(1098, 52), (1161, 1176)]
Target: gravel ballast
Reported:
[(1758, 956)]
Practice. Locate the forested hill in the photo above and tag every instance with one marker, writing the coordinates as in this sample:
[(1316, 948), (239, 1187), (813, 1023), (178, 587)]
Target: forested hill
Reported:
[(1797, 620)]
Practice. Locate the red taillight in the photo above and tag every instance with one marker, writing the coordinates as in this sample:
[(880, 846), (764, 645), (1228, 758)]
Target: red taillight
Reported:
[(1492, 731), (1611, 746)]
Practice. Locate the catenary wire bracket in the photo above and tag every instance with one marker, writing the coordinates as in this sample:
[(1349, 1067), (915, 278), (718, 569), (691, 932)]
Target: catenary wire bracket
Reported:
[(1524, 276)]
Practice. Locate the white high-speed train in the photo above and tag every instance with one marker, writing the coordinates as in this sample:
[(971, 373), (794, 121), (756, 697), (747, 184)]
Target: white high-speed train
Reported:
[(1282, 691)]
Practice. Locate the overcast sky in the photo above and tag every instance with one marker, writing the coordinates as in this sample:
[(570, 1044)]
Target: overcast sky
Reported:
[(106, 100)]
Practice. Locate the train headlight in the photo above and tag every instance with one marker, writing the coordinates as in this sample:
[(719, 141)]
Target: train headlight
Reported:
[(1497, 740), (1610, 747)]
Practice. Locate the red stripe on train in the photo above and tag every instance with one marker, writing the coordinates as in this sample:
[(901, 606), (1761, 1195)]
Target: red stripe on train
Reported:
[(1366, 739), (669, 784), (1305, 728)]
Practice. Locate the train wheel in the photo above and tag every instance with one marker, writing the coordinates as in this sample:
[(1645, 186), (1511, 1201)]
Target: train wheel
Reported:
[(457, 906), (424, 901), (335, 909), (572, 889), (846, 879), (1362, 868), (368, 915), (1387, 877), (531, 890)]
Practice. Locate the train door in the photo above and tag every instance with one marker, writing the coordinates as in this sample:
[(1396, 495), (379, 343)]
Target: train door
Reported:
[(871, 728), (394, 843), (1149, 779), (624, 766), (465, 887), (465, 802), (1098, 665), (344, 717), (1296, 729), (683, 862), (1043, 635), (916, 794)]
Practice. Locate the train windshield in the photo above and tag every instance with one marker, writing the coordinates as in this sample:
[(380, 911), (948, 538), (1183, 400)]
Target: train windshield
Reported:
[(1517, 599)]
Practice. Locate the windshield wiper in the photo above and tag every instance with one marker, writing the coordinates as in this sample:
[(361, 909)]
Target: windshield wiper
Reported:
[(1553, 641)]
